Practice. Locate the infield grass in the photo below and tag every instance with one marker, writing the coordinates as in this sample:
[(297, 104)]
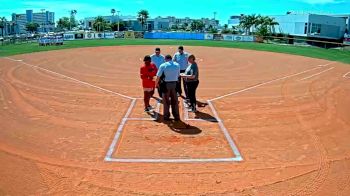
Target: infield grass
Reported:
[(328, 54)]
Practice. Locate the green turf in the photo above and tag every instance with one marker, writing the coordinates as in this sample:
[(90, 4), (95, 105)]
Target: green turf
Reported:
[(328, 54)]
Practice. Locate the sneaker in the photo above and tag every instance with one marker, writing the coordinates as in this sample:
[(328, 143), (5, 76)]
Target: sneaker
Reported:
[(188, 106), (147, 109), (192, 109), (166, 119), (150, 108)]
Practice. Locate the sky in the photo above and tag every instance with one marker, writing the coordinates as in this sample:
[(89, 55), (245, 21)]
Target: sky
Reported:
[(178, 8)]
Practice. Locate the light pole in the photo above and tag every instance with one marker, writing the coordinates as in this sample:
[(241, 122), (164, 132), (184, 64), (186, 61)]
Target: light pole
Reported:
[(42, 15), (118, 12)]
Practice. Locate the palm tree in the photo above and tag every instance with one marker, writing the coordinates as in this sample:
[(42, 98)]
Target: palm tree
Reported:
[(100, 24), (269, 23), (142, 16), (2, 24), (113, 13), (247, 22), (72, 18)]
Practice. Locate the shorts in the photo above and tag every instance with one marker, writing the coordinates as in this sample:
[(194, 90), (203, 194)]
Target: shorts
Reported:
[(148, 89)]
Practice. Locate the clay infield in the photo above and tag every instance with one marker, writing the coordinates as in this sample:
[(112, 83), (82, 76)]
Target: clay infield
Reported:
[(269, 124)]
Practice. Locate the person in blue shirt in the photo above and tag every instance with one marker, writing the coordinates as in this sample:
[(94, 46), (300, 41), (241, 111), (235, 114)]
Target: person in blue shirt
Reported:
[(171, 72), (181, 57), (158, 59)]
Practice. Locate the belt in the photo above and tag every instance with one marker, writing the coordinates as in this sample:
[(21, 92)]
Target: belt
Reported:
[(170, 81)]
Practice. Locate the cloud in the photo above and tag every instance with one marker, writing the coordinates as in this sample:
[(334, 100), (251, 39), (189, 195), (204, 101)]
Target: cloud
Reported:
[(313, 2)]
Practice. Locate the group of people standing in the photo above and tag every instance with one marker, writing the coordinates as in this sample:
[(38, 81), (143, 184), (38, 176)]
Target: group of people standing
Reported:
[(167, 73)]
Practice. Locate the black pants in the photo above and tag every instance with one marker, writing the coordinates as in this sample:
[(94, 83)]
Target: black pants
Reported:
[(178, 85), (191, 90), (170, 98)]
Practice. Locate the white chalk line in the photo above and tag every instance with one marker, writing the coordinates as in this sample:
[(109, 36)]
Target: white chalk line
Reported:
[(226, 133), (325, 65), (199, 160), (264, 83), (345, 75), (316, 74), (71, 78), (186, 116), (149, 119), (119, 130), (109, 158)]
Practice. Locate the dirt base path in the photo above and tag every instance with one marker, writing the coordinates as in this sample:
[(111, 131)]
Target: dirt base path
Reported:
[(60, 111)]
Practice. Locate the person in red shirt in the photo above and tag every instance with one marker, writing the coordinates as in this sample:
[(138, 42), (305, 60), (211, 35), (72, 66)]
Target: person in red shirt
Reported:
[(148, 72)]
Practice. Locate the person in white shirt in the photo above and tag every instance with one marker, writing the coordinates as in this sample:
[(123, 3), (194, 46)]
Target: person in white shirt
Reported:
[(181, 57), (157, 58)]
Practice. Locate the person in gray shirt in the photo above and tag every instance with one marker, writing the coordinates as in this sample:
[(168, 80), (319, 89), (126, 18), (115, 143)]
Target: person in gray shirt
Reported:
[(191, 77), (171, 71)]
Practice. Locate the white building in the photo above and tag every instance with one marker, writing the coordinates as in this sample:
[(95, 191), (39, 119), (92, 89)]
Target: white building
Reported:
[(308, 25), (311, 25), (45, 20)]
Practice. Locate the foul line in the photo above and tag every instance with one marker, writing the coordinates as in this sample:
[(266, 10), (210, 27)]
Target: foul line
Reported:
[(316, 74), (325, 65), (345, 75), (70, 78), (261, 84)]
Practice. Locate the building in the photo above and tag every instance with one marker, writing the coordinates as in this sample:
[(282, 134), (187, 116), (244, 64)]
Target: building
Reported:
[(45, 20), (311, 25), (6, 28), (158, 23), (347, 19), (317, 26), (234, 20)]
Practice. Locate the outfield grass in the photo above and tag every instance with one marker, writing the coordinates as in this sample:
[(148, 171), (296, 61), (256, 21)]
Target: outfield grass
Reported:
[(328, 54)]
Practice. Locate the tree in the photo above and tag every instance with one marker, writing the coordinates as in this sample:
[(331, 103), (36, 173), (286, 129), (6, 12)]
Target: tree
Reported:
[(32, 27), (100, 24), (197, 25), (142, 17), (266, 25), (113, 12), (174, 27), (122, 26), (72, 23), (63, 23), (2, 24), (225, 26), (247, 22)]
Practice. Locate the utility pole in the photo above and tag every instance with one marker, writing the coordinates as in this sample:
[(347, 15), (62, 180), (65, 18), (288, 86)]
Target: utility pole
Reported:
[(118, 12), (215, 15)]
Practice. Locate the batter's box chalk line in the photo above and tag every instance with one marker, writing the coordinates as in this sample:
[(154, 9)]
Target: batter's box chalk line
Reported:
[(186, 116), (108, 158), (156, 112), (347, 75)]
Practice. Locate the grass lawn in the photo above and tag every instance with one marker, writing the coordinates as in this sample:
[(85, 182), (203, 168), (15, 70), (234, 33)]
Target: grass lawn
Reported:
[(328, 54)]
